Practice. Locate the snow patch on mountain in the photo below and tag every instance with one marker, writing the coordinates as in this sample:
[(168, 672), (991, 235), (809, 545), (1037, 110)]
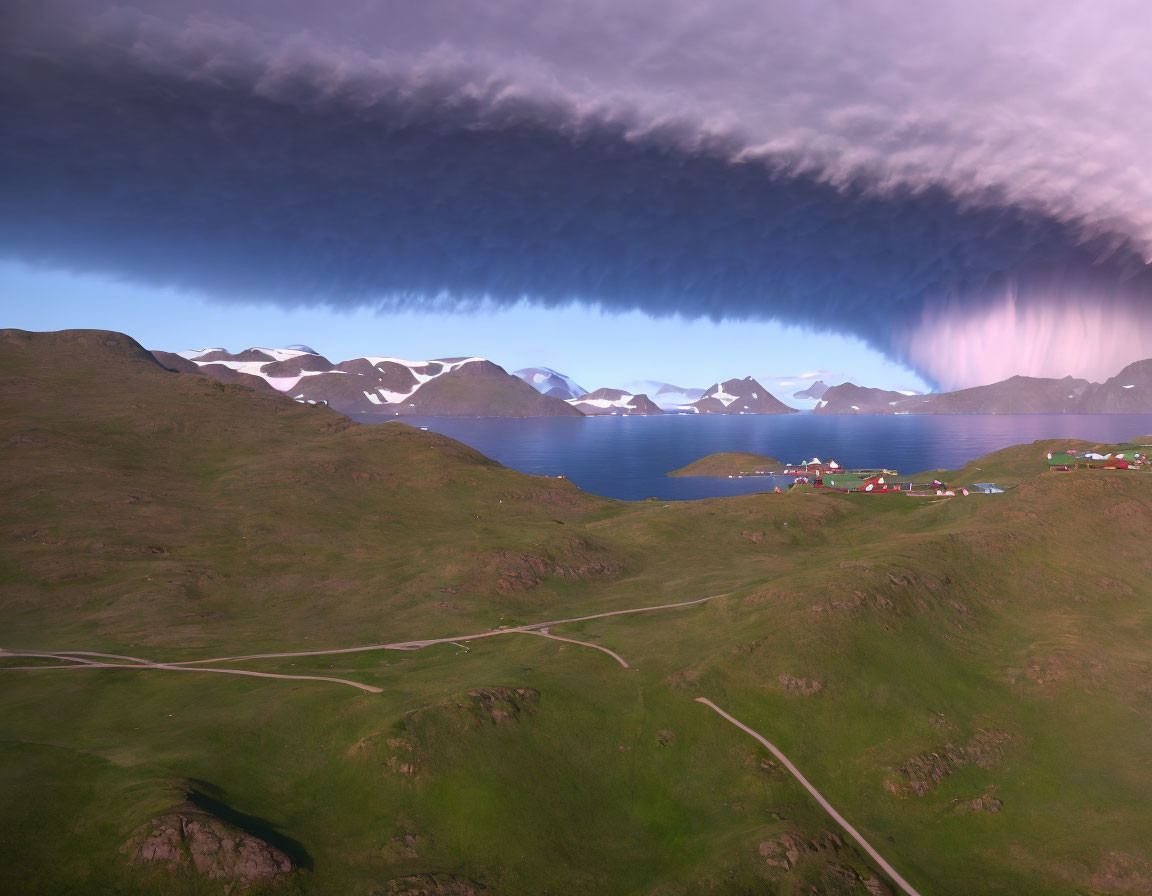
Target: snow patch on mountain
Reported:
[(551, 382), (666, 396), (287, 383)]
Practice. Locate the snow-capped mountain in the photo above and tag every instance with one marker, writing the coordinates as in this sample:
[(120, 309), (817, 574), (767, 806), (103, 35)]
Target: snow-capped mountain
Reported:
[(744, 396), (604, 402), (666, 396), (551, 382), (814, 392), (455, 387)]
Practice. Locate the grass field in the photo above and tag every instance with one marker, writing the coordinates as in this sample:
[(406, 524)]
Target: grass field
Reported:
[(729, 463), (993, 649)]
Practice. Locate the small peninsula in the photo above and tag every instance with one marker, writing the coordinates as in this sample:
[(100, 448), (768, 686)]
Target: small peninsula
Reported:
[(730, 463)]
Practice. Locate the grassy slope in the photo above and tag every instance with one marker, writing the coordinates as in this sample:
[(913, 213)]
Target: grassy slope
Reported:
[(282, 526), (728, 463)]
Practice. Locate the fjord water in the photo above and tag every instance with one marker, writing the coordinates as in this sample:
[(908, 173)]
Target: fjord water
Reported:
[(629, 457)]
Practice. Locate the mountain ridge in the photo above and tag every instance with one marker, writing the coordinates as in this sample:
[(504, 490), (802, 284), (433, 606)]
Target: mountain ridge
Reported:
[(1130, 391), (376, 385)]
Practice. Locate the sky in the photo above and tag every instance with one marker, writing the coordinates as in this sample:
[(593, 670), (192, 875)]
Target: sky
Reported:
[(946, 193), (595, 348)]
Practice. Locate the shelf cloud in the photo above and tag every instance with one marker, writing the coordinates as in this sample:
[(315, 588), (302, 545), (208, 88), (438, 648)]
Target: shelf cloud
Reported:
[(965, 186)]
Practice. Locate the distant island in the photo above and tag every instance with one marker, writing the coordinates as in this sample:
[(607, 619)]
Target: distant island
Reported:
[(731, 463)]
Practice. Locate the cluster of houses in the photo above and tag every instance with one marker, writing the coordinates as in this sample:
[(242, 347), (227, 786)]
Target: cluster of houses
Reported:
[(832, 476), (1129, 459)]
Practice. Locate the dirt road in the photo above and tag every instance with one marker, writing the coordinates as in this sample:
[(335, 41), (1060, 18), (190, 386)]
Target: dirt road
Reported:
[(428, 642), (90, 659), (69, 661), (836, 816)]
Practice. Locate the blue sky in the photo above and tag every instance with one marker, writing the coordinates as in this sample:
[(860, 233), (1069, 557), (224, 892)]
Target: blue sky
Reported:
[(595, 349)]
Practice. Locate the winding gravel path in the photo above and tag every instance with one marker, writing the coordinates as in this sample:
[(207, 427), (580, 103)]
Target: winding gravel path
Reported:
[(428, 642), (836, 816), (544, 633), (82, 659), (77, 662)]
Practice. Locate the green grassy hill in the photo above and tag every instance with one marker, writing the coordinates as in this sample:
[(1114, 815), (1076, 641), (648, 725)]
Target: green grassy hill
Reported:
[(923, 662), (729, 463)]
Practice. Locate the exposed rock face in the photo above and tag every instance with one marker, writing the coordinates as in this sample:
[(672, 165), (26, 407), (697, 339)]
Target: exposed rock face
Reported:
[(805, 686), (787, 849), (744, 396), (605, 402), (921, 773), (499, 706), (192, 840), (985, 803)]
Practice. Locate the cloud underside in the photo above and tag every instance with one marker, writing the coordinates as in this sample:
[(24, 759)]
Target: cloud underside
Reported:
[(419, 199)]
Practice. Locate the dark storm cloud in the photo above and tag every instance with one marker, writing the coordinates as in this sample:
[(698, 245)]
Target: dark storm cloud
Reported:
[(246, 161)]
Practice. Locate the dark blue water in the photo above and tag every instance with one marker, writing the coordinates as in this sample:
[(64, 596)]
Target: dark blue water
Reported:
[(628, 457)]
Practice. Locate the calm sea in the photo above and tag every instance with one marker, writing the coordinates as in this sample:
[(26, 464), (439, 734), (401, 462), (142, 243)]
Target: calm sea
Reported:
[(628, 457)]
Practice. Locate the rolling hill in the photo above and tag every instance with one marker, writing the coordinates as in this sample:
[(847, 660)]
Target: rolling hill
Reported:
[(966, 680)]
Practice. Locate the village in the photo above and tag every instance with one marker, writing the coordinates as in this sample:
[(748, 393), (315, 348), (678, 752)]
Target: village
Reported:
[(831, 476)]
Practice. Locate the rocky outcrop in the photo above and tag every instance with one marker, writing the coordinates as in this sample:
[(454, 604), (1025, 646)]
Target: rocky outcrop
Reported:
[(194, 841), (985, 803), (787, 849), (920, 774), (805, 686), (499, 705), (784, 852)]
